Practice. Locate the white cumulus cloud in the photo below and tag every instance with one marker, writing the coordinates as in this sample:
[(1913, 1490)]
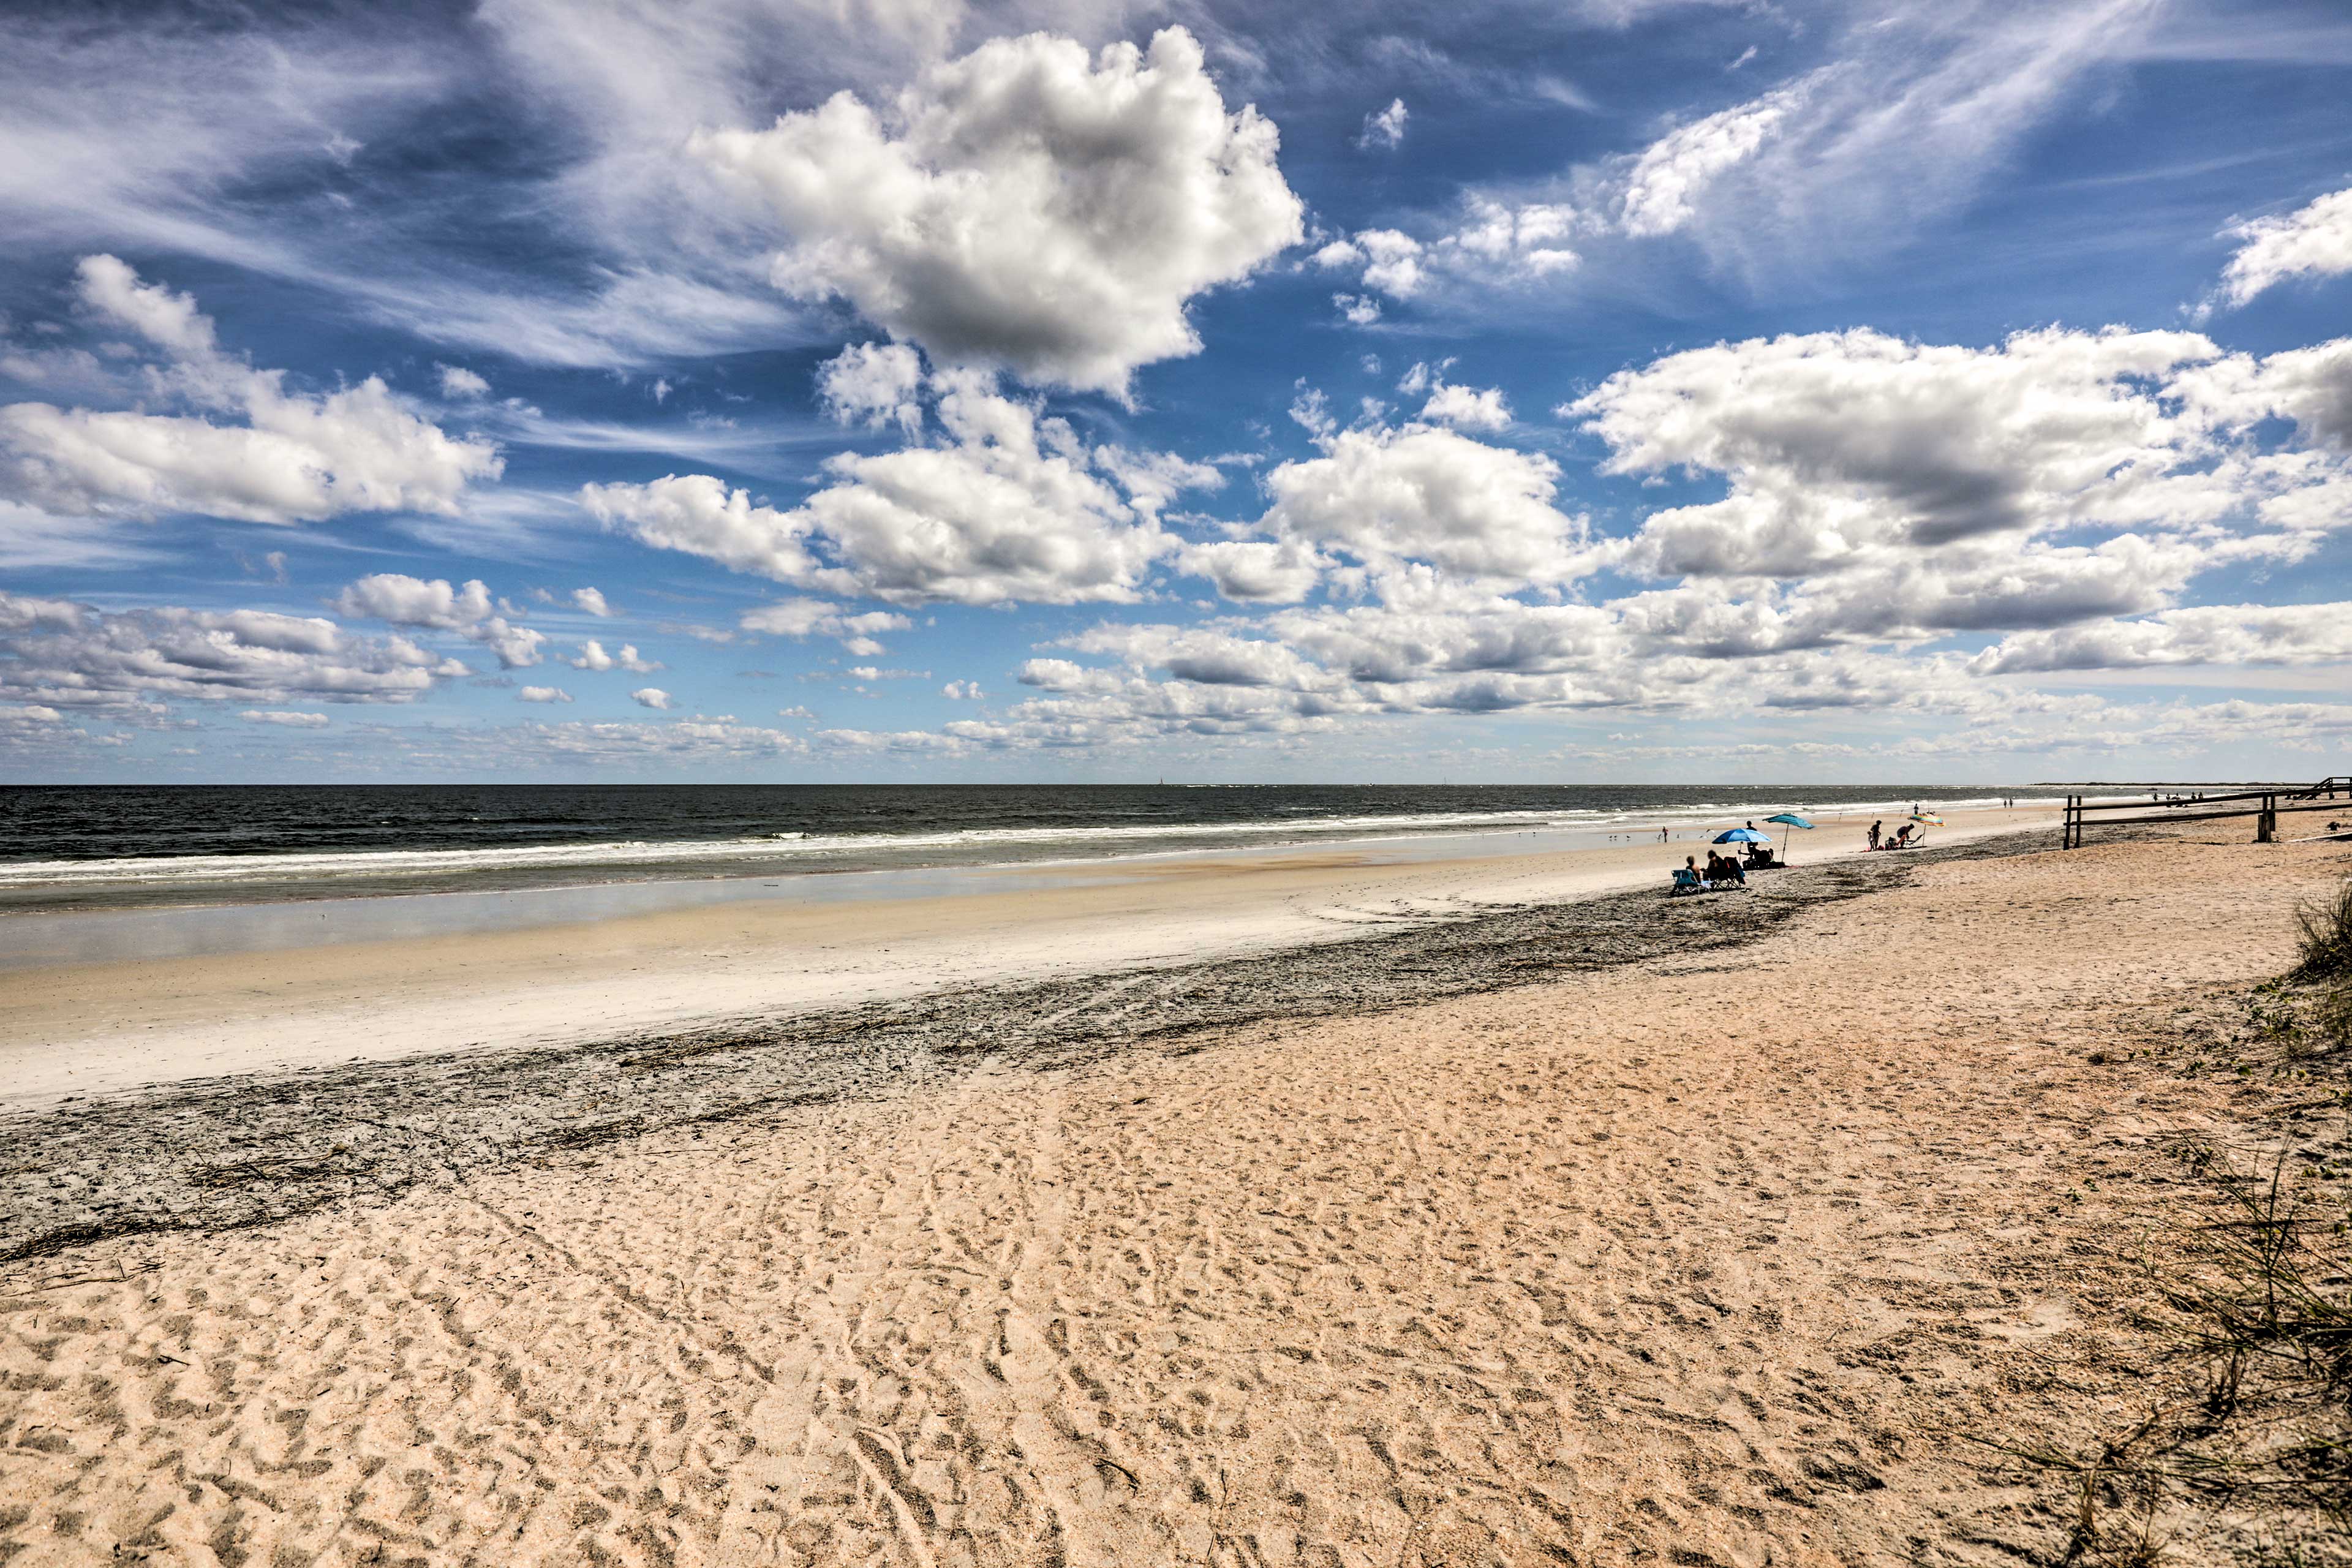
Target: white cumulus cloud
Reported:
[(1026, 206), (1467, 407), (815, 617), (874, 384), (1901, 490), (1385, 128), (650, 697), (66, 655), (2314, 241), (593, 657), (461, 386), (437, 604), (2204, 634), (297, 457), (1388, 497), (1261, 570), (1011, 508)]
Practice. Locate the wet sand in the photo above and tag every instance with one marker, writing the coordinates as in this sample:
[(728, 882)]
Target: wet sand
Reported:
[(1753, 1245), (86, 1029)]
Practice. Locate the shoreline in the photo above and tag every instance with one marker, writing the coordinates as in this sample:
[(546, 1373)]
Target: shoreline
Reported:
[(81, 1030), (166, 885), (261, 1146)]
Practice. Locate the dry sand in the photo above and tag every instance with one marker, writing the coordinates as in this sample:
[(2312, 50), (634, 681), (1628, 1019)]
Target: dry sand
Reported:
[(1721, 1258)]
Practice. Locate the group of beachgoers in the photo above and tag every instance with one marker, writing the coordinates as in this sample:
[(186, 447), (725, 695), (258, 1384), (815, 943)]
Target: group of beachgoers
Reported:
[(1726, 872), (1723, 871), (1908, 837)]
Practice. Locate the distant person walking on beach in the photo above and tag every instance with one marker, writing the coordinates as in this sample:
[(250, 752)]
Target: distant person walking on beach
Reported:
[(1664, 834)]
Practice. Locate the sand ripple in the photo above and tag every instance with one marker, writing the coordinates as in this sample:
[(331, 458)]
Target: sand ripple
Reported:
[(1712, 1257)]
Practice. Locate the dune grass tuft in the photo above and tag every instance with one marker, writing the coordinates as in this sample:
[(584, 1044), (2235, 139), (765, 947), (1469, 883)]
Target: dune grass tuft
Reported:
[(2249, 1312), (2252, 1311), (2324, 936)]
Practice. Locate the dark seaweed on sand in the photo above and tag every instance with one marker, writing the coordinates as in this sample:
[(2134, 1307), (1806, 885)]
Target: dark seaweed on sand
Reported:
[(254, 1150)]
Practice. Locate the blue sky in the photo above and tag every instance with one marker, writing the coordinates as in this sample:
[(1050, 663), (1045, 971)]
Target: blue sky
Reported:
[(757, 390)]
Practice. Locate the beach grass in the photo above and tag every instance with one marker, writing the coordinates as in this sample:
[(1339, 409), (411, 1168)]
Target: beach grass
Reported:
[(2324, 937), (2249, 1313)]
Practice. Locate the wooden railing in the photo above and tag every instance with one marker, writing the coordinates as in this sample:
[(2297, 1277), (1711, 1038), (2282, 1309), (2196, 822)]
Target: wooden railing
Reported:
[(2331, 793)]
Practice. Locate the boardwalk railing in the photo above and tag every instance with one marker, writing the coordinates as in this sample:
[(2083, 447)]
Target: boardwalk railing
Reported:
[(2331, 793)]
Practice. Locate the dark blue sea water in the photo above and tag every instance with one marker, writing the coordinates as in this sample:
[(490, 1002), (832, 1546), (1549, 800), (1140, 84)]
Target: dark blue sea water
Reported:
[(69, 846)]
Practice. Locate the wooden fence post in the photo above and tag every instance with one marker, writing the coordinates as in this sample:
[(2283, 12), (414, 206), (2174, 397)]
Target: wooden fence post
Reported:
[(2266, 825)]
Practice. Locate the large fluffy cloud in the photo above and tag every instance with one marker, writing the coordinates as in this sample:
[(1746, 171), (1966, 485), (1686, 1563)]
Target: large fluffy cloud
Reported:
[(1897, 490), (297, 457), (1026, 207), (67, 655), (1418, 493), (1844, 442), (1009, 506), (1883, 490)]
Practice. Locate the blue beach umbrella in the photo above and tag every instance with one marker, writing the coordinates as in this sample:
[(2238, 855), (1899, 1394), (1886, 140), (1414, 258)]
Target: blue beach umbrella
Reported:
[(1793, 820), (1742, 836)]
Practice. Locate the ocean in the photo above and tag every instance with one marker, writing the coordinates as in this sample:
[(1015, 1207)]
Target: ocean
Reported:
[(81, 847)]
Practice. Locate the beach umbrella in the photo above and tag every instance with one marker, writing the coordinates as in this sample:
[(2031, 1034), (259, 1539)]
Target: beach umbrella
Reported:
[(1792, 820), (1926, 819), (1741, 835)]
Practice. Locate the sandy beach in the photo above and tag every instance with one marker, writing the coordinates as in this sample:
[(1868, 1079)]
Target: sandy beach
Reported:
[(83, 1028), (1534, 1221)]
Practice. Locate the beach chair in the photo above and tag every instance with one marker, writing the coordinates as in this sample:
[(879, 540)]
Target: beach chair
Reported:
[(1685, 881)]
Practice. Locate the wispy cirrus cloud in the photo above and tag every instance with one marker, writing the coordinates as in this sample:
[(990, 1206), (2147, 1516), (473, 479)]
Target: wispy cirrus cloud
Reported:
[(1907, 113)]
